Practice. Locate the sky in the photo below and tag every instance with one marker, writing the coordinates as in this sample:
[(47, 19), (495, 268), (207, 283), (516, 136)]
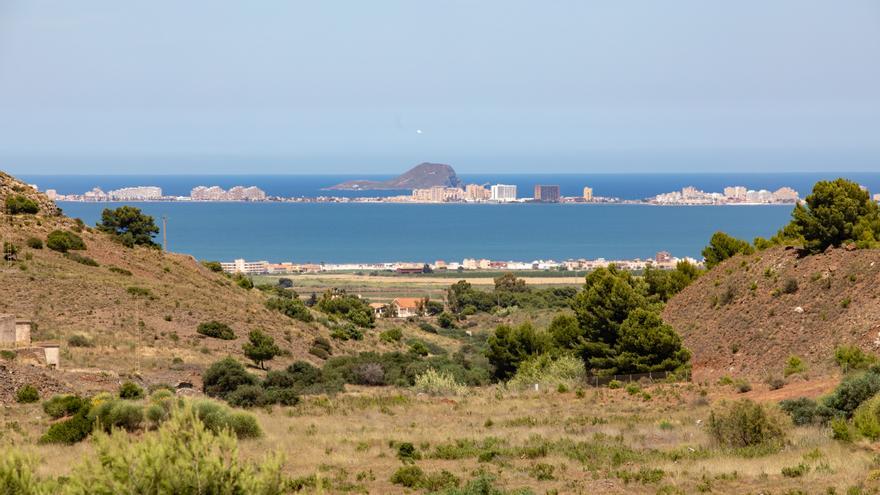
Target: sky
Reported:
[(355, 87)]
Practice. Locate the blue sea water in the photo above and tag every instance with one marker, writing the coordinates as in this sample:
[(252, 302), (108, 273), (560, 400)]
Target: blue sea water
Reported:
[(334, 232)]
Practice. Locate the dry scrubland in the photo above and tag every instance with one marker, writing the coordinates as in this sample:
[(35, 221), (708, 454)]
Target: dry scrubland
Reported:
[(576, 441)]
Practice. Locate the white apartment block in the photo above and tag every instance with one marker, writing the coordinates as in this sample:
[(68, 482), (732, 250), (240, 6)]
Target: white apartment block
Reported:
[(503, 192), (246, 267)]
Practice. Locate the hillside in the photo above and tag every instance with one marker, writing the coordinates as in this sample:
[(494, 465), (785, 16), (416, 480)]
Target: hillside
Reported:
[(746, 317), (154, 334), (421, 176)]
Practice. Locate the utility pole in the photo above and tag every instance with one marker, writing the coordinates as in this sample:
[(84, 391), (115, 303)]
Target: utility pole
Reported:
[(164, 233)]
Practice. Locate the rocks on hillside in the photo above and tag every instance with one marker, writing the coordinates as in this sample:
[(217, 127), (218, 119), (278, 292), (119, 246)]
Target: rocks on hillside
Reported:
[(10, 186)]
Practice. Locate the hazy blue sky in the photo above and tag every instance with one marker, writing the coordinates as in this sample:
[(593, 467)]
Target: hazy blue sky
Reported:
[(503, 85)]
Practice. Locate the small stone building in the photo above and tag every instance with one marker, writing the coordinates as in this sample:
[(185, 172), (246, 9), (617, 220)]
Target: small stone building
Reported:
[(14, 332)]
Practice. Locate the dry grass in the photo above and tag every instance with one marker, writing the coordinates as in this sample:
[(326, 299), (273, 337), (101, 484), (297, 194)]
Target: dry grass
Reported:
[(349, 440)]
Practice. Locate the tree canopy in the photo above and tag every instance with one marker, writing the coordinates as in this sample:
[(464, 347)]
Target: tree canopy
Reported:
[(837, 212), (722, 246), (128, 225), (260, 348)]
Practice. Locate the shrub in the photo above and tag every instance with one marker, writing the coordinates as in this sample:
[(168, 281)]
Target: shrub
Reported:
[(796, 471), (27, 394), (433, 382), (18, 475), (292, 308), (723, 246), (790, 286), (793, 366), (216, 330), (743, 386), (139, 291), (409, 476), (804, 411), (349, 307), (182, 454), (214, 266), (840, 430), (224, 376), (82, 260), (775, 383), (116, 413), (614, 384), (17, 204), (837, 212), (70, 431), (744, 423), (219, 418), (391, 335), (64, 405), (63, 241), (131, 390), (34, 243), (850, 357), (79, 341), (248, 396), (427, 327), (120, 271), (347, 331), (546, 370), (368, 374), (445, 320), (866, 418), (852, 392), (407, 453), (282, 396)]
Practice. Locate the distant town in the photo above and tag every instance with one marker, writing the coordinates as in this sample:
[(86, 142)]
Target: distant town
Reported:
[(470, 193), (662, 260)]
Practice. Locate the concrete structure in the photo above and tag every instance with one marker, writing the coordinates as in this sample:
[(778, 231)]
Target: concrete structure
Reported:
[(52, 354), (476, 192), (546, 194), (237, 193), (663, 257), (503, 192), (246, 267), (378, 309), (138, 193), (14, 332), (407, 306), (588, 193)]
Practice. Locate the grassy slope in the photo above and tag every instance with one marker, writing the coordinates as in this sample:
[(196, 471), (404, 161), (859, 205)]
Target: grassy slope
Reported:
[(760, 326)]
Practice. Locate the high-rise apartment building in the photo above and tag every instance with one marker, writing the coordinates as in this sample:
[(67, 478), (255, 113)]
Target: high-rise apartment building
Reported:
[(503, 192), (547, 194)]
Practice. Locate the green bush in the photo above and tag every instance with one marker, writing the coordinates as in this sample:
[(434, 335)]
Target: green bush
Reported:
[(139, 291), (433, 382), (391, 335), (218, 418), (346, 331), (349, 307), (804, 411), (72, 430), (852, 392), (224, 376), (292, 308), (743, 423), (64, 405), (722, 247), (17, 204), (840, 430), (260, 348), (445, 320), (407, 453), (866, 418), (793, 366), (850, 358), (128, 226), (27, 394), (118, 413), (34, 243), (82, 260), (216, 330), (77, 340), (63, 241), (546, 370), (18, 475), (131, 390), (120, 271), (182, 454), (248, 396), (409, 477), (214, 266)]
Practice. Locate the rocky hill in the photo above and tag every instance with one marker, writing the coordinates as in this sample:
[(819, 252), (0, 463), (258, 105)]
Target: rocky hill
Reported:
[(749, 314), (137, 310), (421, 176)]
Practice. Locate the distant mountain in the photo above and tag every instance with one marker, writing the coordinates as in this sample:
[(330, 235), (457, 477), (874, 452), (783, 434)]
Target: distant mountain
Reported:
[(421, 176)]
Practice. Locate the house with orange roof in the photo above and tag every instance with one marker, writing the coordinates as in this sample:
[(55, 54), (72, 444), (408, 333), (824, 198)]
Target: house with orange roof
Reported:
[(408, 306)]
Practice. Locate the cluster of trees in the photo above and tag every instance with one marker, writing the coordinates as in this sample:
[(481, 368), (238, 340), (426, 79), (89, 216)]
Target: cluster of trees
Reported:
[(836, 213), (348, 307), (229, 380), (509, 291), (616, 328), (129, 226)]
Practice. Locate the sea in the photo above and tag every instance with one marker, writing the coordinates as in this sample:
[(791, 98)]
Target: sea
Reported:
[(385, 232)]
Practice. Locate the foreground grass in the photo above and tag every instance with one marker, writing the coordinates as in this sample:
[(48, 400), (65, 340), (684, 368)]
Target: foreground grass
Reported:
[(586, 441)]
